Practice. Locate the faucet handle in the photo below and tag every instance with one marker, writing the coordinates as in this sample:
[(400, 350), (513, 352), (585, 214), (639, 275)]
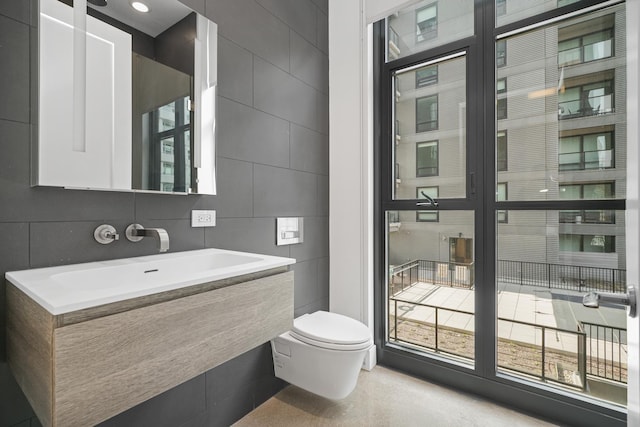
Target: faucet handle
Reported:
[(105, 234), (131, 233)]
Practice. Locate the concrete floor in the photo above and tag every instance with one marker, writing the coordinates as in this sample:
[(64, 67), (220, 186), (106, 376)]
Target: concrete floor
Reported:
[(385, 397)]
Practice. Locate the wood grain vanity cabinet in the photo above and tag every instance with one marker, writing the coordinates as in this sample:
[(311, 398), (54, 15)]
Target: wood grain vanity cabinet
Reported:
[(83, 367)]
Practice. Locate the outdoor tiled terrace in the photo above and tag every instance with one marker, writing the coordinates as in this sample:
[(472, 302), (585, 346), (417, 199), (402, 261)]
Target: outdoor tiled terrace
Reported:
[(538, 331)]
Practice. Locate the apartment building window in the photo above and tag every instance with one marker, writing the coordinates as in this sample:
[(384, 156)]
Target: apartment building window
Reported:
[(427, 113), (501, 90), (427, 158), (167, 147), (587, 243), (566, 2), (587, 99), (427, 23), (426, 76), (167, 168), (501, 7), (427, 216), (591, 151), (501, 196), (587, 191), (587, 41), (502, 151), (501, 53)]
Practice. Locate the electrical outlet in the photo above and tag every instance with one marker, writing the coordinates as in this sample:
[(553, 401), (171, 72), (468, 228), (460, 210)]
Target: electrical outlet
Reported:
[(201, 218)]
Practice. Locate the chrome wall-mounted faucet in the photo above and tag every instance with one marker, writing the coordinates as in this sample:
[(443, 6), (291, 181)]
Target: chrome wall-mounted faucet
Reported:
[(135, 233)]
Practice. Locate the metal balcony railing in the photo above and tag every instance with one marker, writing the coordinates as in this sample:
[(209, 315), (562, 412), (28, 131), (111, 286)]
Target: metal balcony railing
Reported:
[(534, 358), (559, 276), (552, 276), (606, 349), (437, 272)]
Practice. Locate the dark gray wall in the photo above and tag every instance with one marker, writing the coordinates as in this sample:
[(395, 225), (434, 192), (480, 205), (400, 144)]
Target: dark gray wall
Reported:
[(272, 161)]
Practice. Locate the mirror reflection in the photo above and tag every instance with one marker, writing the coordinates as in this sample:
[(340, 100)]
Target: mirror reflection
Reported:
[(144, 74)]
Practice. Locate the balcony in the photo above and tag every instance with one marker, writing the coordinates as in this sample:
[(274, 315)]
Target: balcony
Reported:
[(585, 107), (431, 308), (581, 160), (588, 217)]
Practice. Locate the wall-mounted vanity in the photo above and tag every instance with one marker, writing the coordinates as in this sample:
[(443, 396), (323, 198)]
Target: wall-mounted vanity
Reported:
[(126, 99), (88, 341)]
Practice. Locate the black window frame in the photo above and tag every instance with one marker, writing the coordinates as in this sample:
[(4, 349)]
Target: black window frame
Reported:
[(483, 378), (157, 138)]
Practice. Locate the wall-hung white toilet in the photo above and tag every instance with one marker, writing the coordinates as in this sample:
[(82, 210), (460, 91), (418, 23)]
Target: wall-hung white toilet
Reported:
[(322, 353)]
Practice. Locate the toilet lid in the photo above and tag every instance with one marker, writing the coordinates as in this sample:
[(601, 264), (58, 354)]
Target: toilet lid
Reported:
[(331, 330)]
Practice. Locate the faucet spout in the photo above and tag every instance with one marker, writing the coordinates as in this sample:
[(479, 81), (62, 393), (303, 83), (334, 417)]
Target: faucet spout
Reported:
[(135, 233), (159, 233)]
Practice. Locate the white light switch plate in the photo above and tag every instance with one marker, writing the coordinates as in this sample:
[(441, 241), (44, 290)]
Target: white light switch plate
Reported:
[(202, 218)]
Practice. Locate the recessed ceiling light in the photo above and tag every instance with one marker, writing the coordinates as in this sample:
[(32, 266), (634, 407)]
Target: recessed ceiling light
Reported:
[(139, 6)]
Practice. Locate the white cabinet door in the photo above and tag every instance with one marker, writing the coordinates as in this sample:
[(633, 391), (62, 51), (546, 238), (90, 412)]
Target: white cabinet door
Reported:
[(102, 160)]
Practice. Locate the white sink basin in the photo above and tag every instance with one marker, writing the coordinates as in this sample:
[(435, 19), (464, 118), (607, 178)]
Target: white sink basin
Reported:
[(74, 287)]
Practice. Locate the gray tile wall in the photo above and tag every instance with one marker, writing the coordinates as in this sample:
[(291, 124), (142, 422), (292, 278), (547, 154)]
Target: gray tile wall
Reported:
[(273, 161)]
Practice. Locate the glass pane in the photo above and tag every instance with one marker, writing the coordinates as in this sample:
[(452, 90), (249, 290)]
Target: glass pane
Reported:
[(516, 10), (545, 334), (428, 24), (502, 149), (166, 117), (427, 113), (167, 166), (430, 137), (167, 147), (430, 286), (187, 160), (425, 193), (566, 123), (426, 76)]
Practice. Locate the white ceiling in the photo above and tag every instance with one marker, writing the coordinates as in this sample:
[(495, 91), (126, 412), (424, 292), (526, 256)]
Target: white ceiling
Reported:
[(162, 15)]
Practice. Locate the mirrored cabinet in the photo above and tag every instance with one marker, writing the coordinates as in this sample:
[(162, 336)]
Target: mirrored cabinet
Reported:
[(126, 98)]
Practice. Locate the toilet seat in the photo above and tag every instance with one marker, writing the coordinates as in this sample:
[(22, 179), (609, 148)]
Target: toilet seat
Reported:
[(331, 331)]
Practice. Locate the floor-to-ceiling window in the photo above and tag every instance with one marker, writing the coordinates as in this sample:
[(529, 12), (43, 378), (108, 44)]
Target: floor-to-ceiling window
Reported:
[(502, 182)]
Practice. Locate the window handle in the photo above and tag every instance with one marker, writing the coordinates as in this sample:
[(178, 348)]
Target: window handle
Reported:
[(472, 183), (430, 201)]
